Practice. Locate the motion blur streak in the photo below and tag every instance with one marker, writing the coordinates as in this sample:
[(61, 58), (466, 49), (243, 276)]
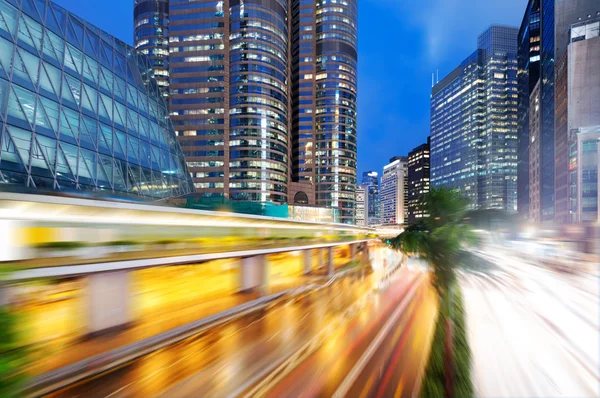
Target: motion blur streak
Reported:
[(533, 331), (231, 360)]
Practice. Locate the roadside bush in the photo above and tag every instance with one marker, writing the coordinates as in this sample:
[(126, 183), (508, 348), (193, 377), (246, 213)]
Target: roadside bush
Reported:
[(433, 379), (69, 245)]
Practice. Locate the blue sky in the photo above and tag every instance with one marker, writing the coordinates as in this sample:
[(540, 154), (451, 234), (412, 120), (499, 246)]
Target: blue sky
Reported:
[(401, 42)]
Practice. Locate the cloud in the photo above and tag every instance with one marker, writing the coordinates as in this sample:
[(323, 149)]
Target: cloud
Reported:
[(451, 26)]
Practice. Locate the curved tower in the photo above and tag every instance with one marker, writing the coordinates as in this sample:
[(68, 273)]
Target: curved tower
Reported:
[(258, 102), (151, 37), (324, 51)]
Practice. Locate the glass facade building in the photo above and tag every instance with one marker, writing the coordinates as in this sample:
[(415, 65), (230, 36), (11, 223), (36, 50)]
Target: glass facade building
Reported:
[(418, 180), (151, 37), (263, 93), (370, 181), (80, 110), (474, 124), (528, 74)]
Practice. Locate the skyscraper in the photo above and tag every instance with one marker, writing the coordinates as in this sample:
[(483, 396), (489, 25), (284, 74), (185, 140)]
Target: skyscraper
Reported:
[(474, 123), (394, 191), (324, 89), (528, 75), (151, 37), (371, 182), (418, 180), (263, 93), (552, 18)]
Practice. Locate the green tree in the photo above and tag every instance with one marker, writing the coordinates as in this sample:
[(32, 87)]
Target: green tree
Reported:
[(439, 238)]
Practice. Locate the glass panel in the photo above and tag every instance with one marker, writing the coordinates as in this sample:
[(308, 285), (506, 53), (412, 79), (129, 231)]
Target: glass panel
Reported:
[(70, 155), (73, 59), (58, 45), (90, 98), (19, 68), (9, 154), (106, 138), (8, 18), (91, 69), (48, 148), (22, 140), (92, 130), (55, 20), (155, 158), (38, 161), (24, 34), (91, 48), (119, 113), (63, 171), (74, 86), (133, 149), (3, 94), (52, 112), (32, 64), (120, 144), (40, 116), (107, 103), (24, 110), (35, 31), (145, 154), (120, 88), (6, 50), (30, 9)]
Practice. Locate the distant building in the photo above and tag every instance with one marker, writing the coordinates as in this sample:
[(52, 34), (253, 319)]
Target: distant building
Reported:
[(534, 119), (362, 201), (394, 191), (371, 181), (418, 180), (474, 124)]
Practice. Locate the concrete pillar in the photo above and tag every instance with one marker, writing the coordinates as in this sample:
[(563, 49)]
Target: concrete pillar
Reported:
[(307, 261), (109, 301), (320, 257), (330, 268), (253, 274)]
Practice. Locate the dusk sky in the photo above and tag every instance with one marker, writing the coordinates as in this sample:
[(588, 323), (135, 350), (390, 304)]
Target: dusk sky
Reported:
[(401, 42)]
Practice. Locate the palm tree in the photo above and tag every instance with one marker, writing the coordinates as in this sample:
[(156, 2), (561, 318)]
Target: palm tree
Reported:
[(438, 238)]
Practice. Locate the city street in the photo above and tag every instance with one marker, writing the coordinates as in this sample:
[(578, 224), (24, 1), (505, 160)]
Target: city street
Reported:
[(532, 331), (309, 346)]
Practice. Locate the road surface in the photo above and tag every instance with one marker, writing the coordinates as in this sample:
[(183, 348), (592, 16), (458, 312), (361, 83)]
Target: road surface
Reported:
[(307, 347), (533, 332)]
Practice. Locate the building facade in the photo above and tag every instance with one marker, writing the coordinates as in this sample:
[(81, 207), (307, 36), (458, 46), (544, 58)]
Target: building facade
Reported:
[(584, 118), (370, 180), (80, 110), (263, 93), (528, 75), (324, 92), (474, 124), (534, 155), (362, 204), (418, 181), (151, 37), (394, 191)]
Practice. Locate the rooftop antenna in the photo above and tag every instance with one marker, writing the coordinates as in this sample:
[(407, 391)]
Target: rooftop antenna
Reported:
[(432, 80), (437, 80)]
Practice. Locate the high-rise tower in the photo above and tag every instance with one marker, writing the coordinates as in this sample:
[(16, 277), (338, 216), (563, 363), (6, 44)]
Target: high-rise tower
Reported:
[(263, 93), (474, 123)]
